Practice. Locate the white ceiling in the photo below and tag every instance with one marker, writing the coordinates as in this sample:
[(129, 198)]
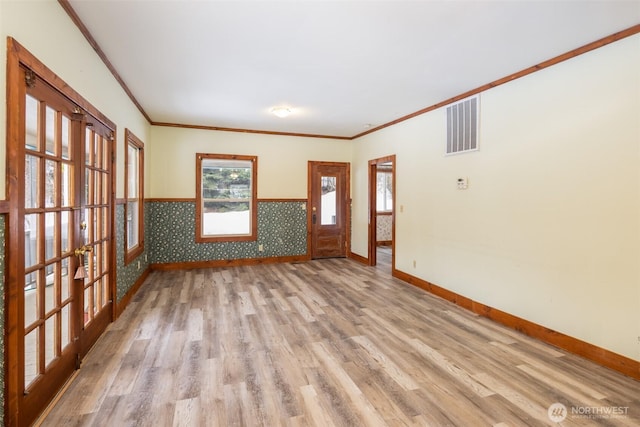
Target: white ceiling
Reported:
[(342, 65)]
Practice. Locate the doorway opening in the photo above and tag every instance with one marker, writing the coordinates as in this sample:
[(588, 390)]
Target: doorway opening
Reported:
[(382, 196)]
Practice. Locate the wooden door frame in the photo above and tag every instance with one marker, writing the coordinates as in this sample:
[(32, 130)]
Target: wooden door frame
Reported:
[(17, 57), (373, 219), (310, 165)]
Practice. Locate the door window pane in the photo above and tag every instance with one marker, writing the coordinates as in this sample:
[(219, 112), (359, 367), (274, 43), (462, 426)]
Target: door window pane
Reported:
[(105, 221), (105, 188), (96, 255), (65, 232), (65, 280), (105, 154), (31, 179), (105, 290), (50, 170), (97, 151), (31, 123), (49, 340), (328, 200), (66, 137), (105, 258), (94, 225), (88, 304), (49, 289), (31, 231), (50, 235), (97, 192), (88, 189), (30, 357), (97, 300), (65, 183), (88, 219), (64, 331), (31, 312), (51, 130), (88, 144)]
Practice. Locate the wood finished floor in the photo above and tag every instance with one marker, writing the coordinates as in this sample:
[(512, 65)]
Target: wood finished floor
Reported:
[(323, 343)]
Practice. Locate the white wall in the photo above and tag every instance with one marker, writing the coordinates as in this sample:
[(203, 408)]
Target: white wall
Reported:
[(549, 228), (45, 30), (282, 160)]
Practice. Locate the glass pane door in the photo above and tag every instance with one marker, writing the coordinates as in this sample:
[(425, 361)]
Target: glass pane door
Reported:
[(48, 235), (96, 222), (61, 204)]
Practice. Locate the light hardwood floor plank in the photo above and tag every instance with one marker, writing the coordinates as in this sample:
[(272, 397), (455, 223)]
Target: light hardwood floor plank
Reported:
[(322, 343)]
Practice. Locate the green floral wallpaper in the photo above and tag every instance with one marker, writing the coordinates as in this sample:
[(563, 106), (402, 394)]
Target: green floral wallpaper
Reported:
[(2, 251), (282, 231), (127, 275)]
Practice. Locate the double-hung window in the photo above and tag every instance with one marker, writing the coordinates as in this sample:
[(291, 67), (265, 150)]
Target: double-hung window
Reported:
[(134, 172), (226, 205)]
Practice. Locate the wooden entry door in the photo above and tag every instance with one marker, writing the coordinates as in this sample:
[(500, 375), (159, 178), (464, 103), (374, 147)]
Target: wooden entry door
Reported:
[(59, 297), (329, 209)]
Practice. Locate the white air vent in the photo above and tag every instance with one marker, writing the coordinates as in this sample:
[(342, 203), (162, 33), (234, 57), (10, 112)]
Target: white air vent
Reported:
[(462, 126)]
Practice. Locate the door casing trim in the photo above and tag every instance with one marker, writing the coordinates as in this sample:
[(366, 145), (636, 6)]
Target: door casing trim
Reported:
[(372, 231)]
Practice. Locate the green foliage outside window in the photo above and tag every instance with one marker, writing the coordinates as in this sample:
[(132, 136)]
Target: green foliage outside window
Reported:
[(226, 189)]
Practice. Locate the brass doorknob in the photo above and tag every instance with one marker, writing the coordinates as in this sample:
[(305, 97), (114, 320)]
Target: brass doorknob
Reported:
[(81, 250)]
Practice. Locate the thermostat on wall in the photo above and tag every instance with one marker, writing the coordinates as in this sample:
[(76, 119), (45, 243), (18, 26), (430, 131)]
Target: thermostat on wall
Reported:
[(462, 184)]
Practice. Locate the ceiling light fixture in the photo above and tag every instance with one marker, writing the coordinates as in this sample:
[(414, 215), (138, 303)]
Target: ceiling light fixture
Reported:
[(281, 112)]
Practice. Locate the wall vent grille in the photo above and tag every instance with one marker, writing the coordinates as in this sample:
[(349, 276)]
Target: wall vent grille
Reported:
[(462, 126)]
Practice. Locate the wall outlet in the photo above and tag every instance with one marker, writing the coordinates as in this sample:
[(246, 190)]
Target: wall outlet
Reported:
[(260, 248), (138, 265), (414, 263)]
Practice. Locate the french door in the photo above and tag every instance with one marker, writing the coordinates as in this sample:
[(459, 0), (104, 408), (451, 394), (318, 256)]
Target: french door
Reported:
[(59, 278), (329, 217)]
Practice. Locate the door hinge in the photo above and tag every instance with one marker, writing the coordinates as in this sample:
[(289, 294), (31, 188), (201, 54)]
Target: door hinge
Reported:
[(77, 114), (30, 78)]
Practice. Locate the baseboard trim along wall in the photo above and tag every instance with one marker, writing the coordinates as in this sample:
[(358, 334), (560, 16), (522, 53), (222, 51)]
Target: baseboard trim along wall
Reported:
[(358, 258), (573, 345), (227, 262)]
